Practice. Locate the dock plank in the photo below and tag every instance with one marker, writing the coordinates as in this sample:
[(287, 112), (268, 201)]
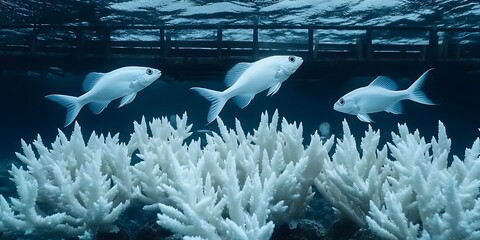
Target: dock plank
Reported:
[(85, 42)]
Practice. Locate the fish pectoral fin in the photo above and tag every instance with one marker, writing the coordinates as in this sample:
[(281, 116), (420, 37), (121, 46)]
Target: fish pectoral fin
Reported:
[(235, 72), (243, 100), (395, 108), (90, 80), (279, 73), (274, 89), (364, 118), (127, 99), (133, 83), (98, 107)]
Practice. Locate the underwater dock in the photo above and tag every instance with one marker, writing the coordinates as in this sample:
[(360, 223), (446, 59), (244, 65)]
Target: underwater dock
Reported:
[(220, 44)]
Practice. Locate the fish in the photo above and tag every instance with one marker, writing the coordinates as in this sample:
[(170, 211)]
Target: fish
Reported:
[(102, 88), (244, 80), (381, 95)]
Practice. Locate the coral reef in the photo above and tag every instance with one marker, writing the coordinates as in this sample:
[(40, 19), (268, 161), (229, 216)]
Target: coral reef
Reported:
[(414, 194), (240, 185), (237, 186), (73, 189)]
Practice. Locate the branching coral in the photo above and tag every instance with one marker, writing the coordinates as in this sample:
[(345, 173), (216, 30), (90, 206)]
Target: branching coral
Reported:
[(350, 180), (426, 198), (73, 189), (238, 186), (414, 196)]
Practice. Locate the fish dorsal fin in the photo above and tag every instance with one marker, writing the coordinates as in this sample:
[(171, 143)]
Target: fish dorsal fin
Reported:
[(90, 80), (395, 108), (235, 72), (384, 82), (127, 99), (98, 107), (243, 100)]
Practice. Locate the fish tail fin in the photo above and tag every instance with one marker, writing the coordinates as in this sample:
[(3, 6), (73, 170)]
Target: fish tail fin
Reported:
[(415, 92), (71, 103), (216, 98)]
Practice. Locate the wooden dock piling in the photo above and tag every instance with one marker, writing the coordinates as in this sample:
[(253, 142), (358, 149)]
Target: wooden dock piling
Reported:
[(371, 44)]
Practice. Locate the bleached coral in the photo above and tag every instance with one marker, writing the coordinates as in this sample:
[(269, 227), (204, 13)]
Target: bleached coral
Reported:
[(350, 180), (415, 196), (238, 186), (73, 189), (435, 201)]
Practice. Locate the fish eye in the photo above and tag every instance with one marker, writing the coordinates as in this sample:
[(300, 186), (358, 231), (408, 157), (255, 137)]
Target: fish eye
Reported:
[(291, 59), (149, 71), (341, 101)]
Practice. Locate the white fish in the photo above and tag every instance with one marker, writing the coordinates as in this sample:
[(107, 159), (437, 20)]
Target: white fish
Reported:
[(381, 95), (101, 88), (244, 80)]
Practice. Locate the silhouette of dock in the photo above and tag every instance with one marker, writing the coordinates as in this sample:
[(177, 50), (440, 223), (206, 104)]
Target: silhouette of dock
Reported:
[(216, 45)]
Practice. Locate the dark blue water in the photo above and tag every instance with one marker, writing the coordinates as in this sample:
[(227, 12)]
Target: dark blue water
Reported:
[(302, 98), (305, 97)]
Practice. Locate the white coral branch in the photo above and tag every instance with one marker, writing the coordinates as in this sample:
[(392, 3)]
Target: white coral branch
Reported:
[(349, 181), (415, 196), (238, 186), (83, 187)]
